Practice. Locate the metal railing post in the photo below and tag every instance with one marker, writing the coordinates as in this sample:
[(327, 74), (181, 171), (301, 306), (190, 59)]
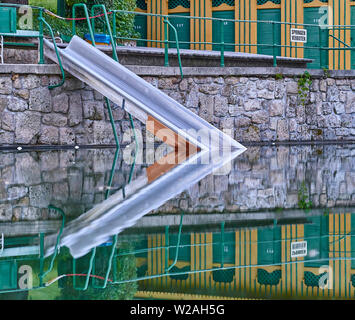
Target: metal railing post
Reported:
[(40, 37), (166, 43), (273, 45), (222, 43), (320, 46)]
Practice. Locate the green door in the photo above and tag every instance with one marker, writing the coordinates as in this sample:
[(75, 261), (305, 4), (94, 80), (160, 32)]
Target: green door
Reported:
[(316, 234), (269, 246), (224, 251), (8, 20), (182, 26), (352, 37), (315, 36), (264, 30), (140, 26), (228, 30)]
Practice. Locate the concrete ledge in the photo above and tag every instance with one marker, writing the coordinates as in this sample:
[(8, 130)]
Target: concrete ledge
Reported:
[(52, 69), (45, 69)]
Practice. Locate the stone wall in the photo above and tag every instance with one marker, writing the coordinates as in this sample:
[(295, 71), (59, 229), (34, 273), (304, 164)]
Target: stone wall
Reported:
[(256, 107), (67, 115)]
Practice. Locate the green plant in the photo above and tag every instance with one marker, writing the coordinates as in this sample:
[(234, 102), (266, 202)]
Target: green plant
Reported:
[(326, 73), (304, 84), (303, 198), (279, 76)]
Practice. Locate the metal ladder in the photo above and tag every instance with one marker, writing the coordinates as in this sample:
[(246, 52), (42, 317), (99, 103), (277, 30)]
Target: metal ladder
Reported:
[(1, 49)]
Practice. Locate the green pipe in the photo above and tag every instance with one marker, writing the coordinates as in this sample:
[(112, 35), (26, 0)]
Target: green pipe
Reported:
[(112, 172), (342, 42), (177, 46), (177, 244), (76, 5), (57, 54), (112, 122), (166, 43), (43, 274), (40, 37), (41, 257), (222, 244), (222, 43), (88, 272), (20, 44), (166, 247), (113, 43)]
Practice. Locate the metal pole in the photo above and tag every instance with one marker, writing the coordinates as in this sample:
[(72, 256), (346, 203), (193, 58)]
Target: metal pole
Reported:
[(222, 43), (320, 46), (166, 43), (40, 37)]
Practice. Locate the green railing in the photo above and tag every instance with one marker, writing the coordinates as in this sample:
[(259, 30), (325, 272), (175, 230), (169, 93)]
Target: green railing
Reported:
[(317, 49)]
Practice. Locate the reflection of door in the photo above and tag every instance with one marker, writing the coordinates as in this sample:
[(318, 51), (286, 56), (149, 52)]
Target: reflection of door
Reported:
[(353, 37), (182, 26), (264, 31), (269, 246), (224, 251), (184, 250), (314, 36), (140, 26), (228, 30), (8, 275), (316, 235)]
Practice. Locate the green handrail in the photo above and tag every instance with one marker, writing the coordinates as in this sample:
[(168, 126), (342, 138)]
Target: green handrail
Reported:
[(83, 5), (222, 43), (166, 21), (43, 274), (167, 269), (57, 54), (113, 42), (93, 253)]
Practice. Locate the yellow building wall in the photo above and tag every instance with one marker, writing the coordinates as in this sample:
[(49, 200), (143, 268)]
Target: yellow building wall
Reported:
[(246, 32)]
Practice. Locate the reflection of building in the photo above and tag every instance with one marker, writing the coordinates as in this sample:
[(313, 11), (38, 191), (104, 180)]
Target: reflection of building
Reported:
[(244, 37), (257, 261)]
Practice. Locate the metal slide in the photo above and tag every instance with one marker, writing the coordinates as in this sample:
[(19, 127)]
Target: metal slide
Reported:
[(116, 82)]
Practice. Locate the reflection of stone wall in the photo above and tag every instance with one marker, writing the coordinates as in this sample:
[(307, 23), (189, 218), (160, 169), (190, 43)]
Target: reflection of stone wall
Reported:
[(270, 177), (255, 108), (71, 180), (261, 178)]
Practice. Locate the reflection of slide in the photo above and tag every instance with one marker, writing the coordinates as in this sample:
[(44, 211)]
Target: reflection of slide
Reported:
[(142, 100), (199, 147), (142, 195)]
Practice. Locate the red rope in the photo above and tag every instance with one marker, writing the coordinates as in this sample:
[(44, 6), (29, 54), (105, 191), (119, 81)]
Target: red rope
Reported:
[(75, 19), (84, 275)]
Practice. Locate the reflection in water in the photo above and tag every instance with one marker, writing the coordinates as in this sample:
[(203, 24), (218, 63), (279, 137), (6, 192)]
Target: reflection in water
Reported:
[(308, 252)]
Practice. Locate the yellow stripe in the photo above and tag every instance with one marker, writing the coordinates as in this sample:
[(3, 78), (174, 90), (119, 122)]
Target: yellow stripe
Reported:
[(247, 259), (253, 30)]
